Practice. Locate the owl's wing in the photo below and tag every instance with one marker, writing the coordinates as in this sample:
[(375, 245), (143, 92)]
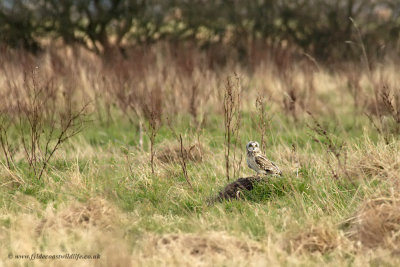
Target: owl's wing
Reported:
[(267, 165)]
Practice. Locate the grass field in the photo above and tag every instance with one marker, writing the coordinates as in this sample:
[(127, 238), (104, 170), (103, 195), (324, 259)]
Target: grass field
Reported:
[(337, 202)]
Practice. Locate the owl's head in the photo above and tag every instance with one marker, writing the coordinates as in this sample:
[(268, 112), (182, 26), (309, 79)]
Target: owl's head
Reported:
[(253, 146)]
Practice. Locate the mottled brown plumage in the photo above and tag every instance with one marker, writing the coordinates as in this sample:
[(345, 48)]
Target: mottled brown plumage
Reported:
[(258, 162)]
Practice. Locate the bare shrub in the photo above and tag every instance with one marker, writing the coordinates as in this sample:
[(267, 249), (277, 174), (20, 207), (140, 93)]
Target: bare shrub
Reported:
[(193, 107), (299, 94), (141, 103), (8, 148), (128, 95), (183, 155), (152, 110), (383, 106), (198, 98), (263, 119), (43, 121), (185, 82), (183, 161), (290, 101), (232, 120), (384, 111), (337, 148), (103, 97)]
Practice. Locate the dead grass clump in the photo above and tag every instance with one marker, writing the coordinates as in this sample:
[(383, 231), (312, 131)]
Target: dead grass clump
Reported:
[(377, 224), (376, 161), (383, 108), (201, 249), (171, 154), (96, 212), (315, 239)]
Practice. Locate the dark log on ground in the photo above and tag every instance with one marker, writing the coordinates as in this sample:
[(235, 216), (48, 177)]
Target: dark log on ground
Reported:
[(233, 190)]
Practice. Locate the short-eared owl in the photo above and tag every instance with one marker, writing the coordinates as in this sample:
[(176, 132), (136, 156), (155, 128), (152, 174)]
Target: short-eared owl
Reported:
[(259, 162)]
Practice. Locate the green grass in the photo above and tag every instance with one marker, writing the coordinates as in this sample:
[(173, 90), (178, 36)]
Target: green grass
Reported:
[(163, 203), (111, 142)]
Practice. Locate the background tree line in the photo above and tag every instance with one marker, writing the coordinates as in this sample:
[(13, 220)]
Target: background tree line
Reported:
[(322, 28)]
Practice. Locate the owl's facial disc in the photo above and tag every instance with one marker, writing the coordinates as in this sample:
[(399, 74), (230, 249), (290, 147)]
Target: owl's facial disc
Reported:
[(256, 147), (250, 146), (253, 146)]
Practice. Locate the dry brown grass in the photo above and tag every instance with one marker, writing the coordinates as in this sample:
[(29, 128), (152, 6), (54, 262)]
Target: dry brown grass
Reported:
[(375, 161), (320, 239), (377, 224), (95, 213), (88, 228), (172, 153)]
